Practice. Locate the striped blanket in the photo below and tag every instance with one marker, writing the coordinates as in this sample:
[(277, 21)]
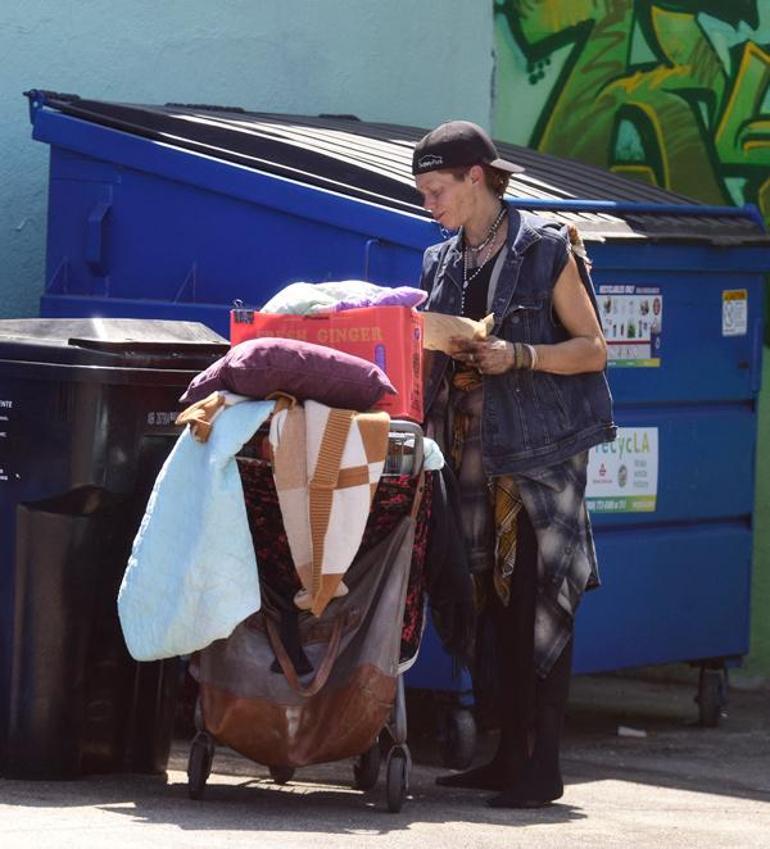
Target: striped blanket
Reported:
[(326, 465)]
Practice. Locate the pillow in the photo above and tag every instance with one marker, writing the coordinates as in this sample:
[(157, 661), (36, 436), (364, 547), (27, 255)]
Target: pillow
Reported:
[(258, 367), (206, 382)]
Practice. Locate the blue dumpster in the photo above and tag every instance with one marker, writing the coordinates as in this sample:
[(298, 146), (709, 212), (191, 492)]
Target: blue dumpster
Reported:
[(176, 211)]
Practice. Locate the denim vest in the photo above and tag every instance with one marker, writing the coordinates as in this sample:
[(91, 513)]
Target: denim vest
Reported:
[(531, 419)]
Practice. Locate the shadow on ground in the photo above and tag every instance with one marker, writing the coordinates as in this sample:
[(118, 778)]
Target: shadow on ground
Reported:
[(670, 752)]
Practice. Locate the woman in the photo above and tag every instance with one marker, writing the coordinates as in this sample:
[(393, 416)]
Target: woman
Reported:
[(516, 415)]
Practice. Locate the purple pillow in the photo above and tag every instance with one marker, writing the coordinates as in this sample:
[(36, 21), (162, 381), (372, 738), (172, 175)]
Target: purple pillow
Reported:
[(258, 367), (206, 382)]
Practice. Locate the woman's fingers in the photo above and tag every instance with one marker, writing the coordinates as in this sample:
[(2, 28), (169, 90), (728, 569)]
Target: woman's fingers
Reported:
[(489, 356), (496, 357)]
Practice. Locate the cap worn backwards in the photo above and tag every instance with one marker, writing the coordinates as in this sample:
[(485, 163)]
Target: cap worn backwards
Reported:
[(458, 144)]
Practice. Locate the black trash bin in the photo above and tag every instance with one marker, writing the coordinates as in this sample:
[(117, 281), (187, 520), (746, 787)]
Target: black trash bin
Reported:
[(87, 409)]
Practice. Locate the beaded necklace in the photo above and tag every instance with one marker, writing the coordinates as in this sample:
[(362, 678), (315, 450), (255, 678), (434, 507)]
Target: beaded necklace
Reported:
[(487, 243)]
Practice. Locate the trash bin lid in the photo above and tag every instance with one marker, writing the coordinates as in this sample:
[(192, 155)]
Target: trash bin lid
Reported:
[(115, 342), (372, 161)]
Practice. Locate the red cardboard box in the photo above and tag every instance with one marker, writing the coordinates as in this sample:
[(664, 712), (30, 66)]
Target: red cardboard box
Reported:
[(391, 337)]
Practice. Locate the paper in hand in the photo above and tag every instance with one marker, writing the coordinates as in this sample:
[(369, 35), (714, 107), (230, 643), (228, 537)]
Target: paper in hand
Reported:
[(438, 329)]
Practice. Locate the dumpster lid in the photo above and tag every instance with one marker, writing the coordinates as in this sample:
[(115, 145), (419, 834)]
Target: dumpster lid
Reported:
[(372, 161), (136, 343)]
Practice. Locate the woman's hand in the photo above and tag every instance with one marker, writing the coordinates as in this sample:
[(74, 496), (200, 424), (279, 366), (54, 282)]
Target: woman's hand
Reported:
[(489, 356)]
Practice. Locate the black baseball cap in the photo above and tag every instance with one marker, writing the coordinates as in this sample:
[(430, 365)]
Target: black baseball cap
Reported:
[(458, 144)]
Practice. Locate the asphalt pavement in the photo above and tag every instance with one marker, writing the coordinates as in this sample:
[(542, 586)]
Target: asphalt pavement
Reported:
[(661, 781)]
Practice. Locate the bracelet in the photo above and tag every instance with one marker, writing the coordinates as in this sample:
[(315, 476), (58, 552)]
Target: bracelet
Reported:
[(524, 356), (532, 357)]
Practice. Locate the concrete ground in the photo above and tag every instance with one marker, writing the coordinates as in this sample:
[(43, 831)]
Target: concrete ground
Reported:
[(678, 786)]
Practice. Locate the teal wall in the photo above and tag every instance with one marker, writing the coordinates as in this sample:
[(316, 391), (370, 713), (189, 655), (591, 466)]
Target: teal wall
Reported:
[(400, 61)]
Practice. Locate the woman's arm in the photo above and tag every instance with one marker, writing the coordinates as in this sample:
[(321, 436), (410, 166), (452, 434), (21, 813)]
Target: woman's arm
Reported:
[(585, 351)]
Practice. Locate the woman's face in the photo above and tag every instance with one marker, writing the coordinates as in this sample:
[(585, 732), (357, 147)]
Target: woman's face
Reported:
[(449, 200)]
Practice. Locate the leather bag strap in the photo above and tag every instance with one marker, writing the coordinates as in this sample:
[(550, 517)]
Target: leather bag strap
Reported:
[(284, 661)]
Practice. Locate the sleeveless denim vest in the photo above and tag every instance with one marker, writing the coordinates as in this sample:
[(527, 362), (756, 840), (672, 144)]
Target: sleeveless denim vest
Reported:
[(530, 419)]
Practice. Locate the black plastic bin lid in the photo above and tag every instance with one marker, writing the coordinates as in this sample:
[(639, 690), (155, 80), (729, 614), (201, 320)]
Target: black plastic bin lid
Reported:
[(371, 161), (114, 342)]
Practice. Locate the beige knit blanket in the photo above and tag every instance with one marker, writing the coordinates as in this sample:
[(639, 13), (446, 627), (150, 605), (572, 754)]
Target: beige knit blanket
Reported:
[(326, 465)]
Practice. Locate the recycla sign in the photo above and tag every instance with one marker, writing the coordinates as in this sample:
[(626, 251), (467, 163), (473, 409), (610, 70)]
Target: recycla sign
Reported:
[(623, 475)]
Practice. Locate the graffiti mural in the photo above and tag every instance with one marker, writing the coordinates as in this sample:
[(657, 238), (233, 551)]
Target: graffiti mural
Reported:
[(675, 92)]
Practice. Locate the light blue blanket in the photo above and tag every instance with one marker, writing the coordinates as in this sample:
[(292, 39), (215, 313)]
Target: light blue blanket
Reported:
[(192, 574)]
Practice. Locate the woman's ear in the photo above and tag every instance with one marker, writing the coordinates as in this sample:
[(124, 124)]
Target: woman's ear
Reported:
[(476, 174)]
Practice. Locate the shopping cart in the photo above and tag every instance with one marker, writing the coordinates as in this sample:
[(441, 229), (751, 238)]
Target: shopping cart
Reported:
[(391, 559)]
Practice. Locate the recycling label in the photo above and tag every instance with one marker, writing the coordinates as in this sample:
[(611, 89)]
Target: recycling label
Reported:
[(632, 323), (623, 475)]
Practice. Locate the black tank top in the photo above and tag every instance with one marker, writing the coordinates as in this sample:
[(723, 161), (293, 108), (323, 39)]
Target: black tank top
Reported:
[(475, 303)]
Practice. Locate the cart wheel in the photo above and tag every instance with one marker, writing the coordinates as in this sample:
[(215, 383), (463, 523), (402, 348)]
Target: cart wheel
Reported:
[(712, 696), (198, 715), (281, 774), (366, 769), (460, 739), (397, 779), (199, 763)]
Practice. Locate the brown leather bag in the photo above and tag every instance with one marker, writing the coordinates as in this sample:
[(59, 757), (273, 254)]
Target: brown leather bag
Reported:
[(282, 718)]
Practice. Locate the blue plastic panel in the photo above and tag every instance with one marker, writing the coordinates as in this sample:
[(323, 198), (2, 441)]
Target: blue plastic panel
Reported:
[(698, 363), (135, 219), (223, 248), (215, 316), (435, 670), (705, 463), (668, 594)]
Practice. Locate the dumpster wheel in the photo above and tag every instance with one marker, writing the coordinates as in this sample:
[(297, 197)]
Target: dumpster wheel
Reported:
[(712, 695), (459, 745)]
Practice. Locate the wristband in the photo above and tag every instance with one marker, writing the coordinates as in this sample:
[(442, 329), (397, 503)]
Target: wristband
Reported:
[(532, 357), (524, 356)]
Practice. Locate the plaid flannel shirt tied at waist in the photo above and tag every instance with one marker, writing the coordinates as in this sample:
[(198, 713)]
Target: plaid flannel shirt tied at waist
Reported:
[(554, 498)]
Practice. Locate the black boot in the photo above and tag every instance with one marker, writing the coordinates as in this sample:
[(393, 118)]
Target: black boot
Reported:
[(539, 783), (534, 789)]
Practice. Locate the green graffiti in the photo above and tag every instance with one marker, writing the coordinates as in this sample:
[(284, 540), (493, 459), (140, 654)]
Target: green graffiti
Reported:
[(669, 91)]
